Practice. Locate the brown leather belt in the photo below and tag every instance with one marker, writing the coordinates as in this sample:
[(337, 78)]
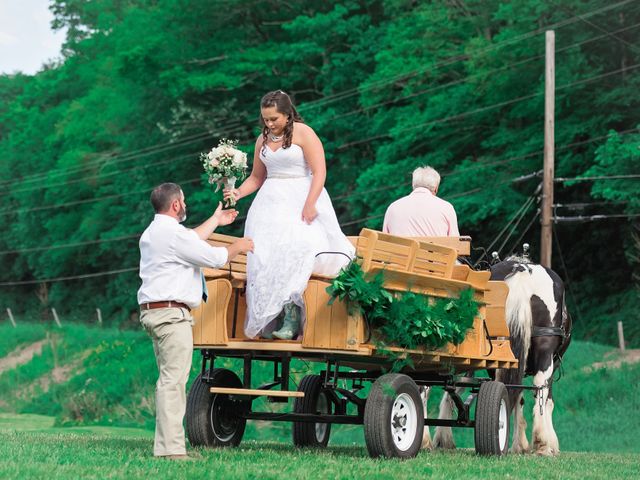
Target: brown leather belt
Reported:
[(169, 304)]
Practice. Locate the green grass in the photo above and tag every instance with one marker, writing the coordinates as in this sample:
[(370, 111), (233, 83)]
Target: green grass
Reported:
[(61, 454), (12, 338)]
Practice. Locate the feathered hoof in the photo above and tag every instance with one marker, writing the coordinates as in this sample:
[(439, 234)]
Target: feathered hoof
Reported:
[(427, 444), (546, 451), (519, 449), (444, 441)]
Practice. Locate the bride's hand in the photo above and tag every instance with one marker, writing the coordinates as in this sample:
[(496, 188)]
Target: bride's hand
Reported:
[(309, 213), (234, 193)]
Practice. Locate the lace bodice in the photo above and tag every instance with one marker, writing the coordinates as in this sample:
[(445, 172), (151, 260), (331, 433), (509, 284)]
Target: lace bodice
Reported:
[(289, 162)]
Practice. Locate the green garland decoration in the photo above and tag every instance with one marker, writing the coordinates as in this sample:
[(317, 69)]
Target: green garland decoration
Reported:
[(408, 320)]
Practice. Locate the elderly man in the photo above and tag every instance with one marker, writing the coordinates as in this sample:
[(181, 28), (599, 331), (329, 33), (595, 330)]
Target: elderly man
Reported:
[(172, 284), (421, 213)]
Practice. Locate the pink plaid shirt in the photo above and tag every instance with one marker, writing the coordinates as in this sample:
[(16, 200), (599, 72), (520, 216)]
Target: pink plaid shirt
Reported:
[(421, 214)]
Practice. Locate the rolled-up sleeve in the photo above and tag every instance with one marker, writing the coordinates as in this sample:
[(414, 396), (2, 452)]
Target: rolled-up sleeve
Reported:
[(193, 250)]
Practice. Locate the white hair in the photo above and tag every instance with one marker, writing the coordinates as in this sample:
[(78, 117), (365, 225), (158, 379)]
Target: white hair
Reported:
[(426, 177)]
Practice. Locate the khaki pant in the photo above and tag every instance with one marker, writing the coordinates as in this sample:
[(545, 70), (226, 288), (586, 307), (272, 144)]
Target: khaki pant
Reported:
[(170, 330)]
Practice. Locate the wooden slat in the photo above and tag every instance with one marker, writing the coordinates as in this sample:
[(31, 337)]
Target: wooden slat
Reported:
[(256, 393), (462, 245), (496, 293), (210, 317), (310, 300)]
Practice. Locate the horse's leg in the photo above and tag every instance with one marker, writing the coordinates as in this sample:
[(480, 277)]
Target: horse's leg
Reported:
[(520, 442), (542, 435), (443, 437), (426, 437), (553, 438)]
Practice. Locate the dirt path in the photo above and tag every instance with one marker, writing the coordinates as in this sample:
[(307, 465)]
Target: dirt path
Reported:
[(21, 355), (626, 357)]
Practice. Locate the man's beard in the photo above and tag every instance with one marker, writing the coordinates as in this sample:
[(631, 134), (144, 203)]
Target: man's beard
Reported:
[(182, 215)]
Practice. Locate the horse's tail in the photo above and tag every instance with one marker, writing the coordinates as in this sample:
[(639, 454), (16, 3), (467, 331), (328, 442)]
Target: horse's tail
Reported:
[(520, 323)]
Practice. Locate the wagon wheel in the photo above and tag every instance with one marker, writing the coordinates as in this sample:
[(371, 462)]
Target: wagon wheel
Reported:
[(492, 419), (316, 400), (213, 419), (393, 417)]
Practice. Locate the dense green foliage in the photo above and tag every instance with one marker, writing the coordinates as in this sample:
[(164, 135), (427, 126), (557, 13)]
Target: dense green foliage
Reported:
[(407, 319), (144, 86)]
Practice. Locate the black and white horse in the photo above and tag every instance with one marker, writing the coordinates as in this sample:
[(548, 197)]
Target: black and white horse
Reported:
[(540, 330)]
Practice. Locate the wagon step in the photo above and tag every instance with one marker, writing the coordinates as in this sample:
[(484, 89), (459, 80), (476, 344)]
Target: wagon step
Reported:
[(256, 393)]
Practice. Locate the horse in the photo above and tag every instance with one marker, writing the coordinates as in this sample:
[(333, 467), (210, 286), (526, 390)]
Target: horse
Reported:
[(540, 329)]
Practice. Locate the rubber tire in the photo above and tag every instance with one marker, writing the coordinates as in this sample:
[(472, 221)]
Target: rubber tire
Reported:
[(200, 419), (490, 398), (377, 416), (304, 433)]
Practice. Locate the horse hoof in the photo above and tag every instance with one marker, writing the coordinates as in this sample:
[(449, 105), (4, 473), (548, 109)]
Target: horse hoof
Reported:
[(545, 451)]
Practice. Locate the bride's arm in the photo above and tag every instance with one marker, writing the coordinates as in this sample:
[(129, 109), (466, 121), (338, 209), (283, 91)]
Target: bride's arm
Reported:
[(253, 181), (314, 155)]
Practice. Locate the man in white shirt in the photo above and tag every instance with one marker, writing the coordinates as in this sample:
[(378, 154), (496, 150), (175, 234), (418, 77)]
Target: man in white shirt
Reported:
[(422, 214), (171, 257)]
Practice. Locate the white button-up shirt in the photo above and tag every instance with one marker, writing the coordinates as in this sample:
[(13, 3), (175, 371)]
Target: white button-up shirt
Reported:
[(170, 260), (421, 214)]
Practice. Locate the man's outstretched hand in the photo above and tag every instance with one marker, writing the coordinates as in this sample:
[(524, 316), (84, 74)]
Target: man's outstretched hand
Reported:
[(225, 217)]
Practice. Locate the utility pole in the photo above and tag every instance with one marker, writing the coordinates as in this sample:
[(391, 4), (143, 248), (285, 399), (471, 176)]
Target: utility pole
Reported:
[(548, 168)]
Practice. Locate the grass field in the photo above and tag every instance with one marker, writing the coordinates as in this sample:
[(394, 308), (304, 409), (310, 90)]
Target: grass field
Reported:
[(96, 421), (32, 448)]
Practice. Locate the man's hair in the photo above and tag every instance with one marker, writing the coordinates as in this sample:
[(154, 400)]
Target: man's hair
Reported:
[(163, 195), (426, 177)]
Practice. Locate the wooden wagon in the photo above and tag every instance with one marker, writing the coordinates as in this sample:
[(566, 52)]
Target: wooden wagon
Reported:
[(220, 401)]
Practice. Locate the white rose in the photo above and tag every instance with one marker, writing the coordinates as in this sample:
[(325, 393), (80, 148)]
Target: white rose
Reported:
[(240, 159)]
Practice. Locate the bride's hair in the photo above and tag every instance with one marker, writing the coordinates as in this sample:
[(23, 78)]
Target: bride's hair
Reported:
[(284, 105)]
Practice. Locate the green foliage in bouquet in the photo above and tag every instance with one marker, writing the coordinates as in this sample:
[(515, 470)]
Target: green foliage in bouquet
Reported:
[(407, 320)]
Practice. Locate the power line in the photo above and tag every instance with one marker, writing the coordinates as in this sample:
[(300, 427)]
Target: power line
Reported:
[(70, 245), (592, 218), (519, 214), (101, 176), (114, 159), (524, 232), (483, 109), (597, 27), (88, 200), (600, 177), (128, 156), (64, 279), (479, 74)]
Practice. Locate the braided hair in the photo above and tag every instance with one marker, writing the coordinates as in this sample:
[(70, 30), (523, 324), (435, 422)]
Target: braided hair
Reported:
[(284, 105)]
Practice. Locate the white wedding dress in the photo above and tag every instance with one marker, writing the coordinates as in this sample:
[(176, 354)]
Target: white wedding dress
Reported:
[(285, 246)]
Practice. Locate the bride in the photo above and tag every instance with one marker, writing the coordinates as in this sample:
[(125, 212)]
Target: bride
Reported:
[(291, 220)]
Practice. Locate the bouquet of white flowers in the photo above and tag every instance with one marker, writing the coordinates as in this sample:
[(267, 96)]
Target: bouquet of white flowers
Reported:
[(225, 164)]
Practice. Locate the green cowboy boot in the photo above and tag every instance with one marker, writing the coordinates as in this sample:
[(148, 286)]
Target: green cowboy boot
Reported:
[(278, 321), (291, 322)]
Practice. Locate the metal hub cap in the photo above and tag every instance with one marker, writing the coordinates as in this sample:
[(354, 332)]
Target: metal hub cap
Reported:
[(404, 421), (223, 423), (502, 425)]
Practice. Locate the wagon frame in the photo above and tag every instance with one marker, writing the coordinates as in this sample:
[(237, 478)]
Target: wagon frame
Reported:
[(220, 402)]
